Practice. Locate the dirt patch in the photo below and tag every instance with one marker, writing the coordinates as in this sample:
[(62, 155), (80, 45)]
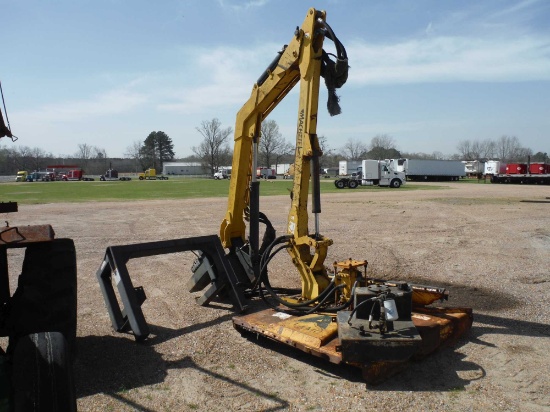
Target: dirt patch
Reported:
[(480, 241)]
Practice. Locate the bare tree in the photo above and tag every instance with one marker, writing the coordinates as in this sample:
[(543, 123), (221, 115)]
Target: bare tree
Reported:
[(272, 145), (38, 157), (382, 146), (382, 141), (99, 153), (507, 148), (22, 157), (465, 149), (84, 153), (134, 152), (214, 150), (488, 149), (477, 149), (354, 149)]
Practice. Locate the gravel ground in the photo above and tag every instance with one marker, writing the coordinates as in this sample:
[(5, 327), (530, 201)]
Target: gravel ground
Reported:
[(490, 249)]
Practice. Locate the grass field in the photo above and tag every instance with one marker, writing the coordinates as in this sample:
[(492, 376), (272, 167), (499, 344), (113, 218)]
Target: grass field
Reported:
[(175, 188)]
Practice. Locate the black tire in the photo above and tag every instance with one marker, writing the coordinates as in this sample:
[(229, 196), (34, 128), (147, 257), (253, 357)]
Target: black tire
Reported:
[(42, 375), (352, 184), (395, 183), (45, 298), (340, 184)]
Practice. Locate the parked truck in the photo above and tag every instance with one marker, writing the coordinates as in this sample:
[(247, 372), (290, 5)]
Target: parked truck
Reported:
[(266, 173), (151, 174), (21, 176), (524, 173), (431, 170), (381, 173), (373, 172), (222, 174), (76, 174), (112, 174)]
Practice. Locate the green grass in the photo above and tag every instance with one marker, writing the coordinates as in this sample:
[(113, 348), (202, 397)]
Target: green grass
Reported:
[(174, 188)]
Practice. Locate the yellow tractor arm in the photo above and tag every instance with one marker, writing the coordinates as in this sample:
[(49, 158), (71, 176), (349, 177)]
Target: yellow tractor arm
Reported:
[(302, 60)]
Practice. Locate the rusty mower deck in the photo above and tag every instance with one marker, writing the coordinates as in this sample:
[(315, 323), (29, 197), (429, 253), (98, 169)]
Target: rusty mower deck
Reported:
[(318, 335)]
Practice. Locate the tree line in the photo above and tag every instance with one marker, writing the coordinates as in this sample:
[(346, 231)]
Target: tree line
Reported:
[(214, 151)]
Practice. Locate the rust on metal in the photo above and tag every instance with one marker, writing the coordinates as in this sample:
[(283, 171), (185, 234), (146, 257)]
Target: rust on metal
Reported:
[(426, 295), (14, 236), (318, 337), (314, 335)]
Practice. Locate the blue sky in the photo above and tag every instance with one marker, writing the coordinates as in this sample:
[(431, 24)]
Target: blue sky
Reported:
[(429, 73)]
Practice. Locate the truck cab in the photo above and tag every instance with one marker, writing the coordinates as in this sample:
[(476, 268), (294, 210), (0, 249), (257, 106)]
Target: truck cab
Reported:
[(21, 176), (381, 173), (149, 174), (221, 174)]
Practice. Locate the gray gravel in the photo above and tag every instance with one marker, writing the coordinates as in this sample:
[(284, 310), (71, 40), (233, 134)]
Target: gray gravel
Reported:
[(490, 249)]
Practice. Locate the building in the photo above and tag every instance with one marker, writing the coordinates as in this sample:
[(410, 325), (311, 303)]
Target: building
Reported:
[(183, 168)]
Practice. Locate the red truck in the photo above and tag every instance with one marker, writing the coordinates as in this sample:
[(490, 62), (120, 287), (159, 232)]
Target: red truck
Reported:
[(66, 173)]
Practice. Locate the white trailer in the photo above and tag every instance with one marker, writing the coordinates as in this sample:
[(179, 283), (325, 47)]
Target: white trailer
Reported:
[(281, 168), (420, 169), (494, 167), (348, 167), (474, 168)]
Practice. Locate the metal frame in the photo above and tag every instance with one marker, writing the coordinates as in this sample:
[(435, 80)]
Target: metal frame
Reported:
[(131, 317)]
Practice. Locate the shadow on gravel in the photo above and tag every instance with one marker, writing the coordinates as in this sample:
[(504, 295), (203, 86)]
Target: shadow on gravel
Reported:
[(187, 362), (113, 365), (440, 371), (489, 324), (108, 364), (475, 297)]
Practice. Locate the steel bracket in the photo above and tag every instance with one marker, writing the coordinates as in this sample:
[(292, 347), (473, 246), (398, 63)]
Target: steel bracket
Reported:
[(131, 317)]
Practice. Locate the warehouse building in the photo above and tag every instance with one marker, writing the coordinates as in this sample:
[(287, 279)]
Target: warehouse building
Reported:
[(183, 168)]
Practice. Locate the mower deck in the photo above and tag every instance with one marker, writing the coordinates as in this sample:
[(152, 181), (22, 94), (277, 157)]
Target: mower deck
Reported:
[(317, 334)]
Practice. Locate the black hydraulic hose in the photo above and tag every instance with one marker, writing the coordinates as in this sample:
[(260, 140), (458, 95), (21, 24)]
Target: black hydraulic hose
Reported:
[(297, 311), (325, 293), (359, 305), (340, 49), (264, 278), (330, 288), (267, 252), (263, 266)]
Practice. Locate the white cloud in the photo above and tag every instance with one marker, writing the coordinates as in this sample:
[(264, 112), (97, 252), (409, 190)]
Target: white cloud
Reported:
[(242, 6), (220, 77), (108, 103), (445, 59)]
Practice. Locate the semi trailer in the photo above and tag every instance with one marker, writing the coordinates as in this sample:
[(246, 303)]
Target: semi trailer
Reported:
[(524, 173), (431, 170)]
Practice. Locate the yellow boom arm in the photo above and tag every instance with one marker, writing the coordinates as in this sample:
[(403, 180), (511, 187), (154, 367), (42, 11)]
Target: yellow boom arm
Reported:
[(300, 61)]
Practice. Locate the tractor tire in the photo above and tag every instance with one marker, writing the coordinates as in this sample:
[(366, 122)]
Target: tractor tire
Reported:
[(42, 375), (352, 184), (45, 298), (395, 183)]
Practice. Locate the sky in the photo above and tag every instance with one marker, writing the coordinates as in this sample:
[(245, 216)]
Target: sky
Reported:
[(428, 73)]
